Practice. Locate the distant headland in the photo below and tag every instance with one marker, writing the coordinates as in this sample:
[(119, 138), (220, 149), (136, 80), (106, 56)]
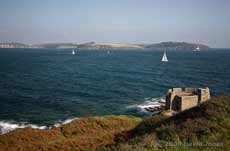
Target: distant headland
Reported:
[(101, 46)]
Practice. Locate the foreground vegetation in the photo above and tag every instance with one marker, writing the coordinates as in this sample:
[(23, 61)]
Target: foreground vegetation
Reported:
[(207, 127)]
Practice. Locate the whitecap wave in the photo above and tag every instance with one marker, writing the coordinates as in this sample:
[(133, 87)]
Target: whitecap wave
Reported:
[(7, 126), (148, 103), (63, 122)]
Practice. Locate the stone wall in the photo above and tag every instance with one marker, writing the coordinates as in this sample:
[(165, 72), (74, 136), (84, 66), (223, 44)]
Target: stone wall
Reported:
[(204, 94), (176, 103), (179, 100), (190, 90), (188, 102), (170, 97)]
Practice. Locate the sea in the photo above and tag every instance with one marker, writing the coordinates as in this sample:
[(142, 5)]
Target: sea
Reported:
[(44, 88)]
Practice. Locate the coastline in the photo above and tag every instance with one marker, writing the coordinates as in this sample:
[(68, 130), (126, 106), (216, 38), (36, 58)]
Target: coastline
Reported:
[(108, 131), (112, 46), (8, 126), (142, 109)]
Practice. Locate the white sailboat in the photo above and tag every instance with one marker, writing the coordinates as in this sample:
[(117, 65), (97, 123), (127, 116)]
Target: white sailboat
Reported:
[(73, 52), (197, 48), (164, 58)]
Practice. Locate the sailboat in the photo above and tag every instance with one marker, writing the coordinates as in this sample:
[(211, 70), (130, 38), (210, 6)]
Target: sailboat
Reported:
[(73, 52), (164, 58), (197, 48)]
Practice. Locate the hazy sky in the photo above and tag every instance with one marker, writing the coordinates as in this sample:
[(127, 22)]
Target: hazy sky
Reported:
[(133, 21)]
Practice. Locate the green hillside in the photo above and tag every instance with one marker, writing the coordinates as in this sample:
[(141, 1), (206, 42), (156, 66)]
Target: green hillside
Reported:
[(206, 127)]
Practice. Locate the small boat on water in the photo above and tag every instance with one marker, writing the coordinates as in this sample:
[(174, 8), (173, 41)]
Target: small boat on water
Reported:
[(73, 52), (108, 52), (197, 48), (164, 58)]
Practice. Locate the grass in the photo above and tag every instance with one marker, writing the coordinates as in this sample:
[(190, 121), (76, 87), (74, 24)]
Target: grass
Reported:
[(207, 123), (85, 133)]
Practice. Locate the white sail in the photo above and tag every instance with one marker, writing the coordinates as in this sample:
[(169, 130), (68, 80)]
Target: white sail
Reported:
[(197, 48), (73, 52), (164, 58)]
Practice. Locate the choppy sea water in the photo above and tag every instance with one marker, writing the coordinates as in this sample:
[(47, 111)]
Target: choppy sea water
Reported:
[(44, 87)]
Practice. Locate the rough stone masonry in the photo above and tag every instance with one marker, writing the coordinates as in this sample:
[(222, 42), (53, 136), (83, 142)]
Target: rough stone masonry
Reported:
[(178, 99)]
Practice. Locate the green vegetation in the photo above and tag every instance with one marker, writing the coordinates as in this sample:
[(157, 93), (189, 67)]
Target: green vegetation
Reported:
[(176, 46), (208, 124), (204, 125), (83, 133)]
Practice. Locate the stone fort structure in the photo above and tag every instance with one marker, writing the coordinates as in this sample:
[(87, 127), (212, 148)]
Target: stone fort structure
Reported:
[(178, 99)]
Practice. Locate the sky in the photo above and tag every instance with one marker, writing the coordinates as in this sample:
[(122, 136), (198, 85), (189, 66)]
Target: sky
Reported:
[(127, 21)]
